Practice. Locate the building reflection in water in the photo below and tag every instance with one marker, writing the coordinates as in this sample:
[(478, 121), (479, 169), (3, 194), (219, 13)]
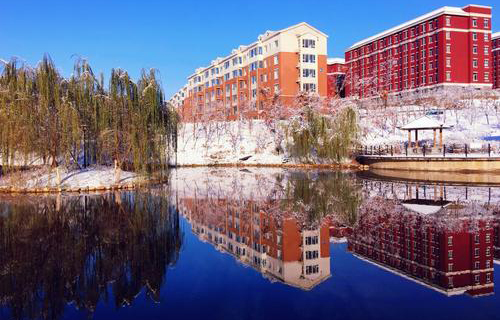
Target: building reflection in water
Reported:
[(271, 242), (434, 235)]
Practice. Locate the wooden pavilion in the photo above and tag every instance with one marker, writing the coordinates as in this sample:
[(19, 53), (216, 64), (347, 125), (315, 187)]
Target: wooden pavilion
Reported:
[(425, 123)]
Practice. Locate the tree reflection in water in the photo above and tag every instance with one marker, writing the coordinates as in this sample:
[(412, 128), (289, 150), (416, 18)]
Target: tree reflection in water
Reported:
[(57, 251)]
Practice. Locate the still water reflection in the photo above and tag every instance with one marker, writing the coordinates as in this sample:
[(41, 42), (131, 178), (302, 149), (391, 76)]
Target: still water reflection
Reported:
[(253, 244)]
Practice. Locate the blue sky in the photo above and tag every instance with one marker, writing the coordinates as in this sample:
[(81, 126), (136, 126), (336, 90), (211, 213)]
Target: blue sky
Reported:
[(178, 36)]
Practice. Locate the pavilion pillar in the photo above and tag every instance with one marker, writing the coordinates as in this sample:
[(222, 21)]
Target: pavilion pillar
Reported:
[(441, 137), (416, 138), (434, 145), (409, 138)]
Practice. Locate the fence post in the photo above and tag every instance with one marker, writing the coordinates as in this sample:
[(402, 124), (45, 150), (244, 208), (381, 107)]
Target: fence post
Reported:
[(466, 150), (489, 150), (444, 150), (391, 151)]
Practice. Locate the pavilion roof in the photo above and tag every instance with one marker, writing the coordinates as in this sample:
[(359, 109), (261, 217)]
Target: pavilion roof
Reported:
[(425, 207), (424, 122)]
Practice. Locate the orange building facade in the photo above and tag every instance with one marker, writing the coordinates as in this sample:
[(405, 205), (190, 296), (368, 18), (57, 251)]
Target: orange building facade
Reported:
[(273, 69)]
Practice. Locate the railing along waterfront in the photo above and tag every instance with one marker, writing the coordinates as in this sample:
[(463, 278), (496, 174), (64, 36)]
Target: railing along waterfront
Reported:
[(467, 150)]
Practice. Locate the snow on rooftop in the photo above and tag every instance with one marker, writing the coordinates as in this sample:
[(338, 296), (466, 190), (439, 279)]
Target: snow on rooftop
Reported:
[(495, 35), (335, 60), (424, 123), (422, 208), (420, 19)]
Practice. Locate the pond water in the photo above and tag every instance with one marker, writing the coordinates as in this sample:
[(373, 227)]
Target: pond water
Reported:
[(254, 244)]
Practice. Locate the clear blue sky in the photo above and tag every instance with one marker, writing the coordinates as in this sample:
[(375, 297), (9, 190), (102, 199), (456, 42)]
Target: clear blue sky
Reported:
[(178, 36)]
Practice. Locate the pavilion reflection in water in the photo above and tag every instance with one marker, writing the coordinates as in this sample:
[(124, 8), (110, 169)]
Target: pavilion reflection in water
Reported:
[(429, 235), (274, 243)]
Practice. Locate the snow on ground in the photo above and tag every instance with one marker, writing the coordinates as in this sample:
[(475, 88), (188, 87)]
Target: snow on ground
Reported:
[(468, 125), (91, 177), (227, 143)]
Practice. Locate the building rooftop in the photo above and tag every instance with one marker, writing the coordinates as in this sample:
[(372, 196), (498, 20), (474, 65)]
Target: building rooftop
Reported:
[(335, 60), (268, 34), (495, 35), (423, 123), (430, 15)]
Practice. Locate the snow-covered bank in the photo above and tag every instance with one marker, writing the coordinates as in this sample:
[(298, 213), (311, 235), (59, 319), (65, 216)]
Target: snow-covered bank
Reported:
[(227, 143), (90, 178), (243, 142)]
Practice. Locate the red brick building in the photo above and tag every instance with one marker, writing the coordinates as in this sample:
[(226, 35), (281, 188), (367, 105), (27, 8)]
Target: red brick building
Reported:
[(447, 47), (495, 52), (336, 70), (447, 252)]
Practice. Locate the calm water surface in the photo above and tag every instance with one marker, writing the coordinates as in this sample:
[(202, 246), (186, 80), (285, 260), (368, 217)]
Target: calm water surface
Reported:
[(254, 244)]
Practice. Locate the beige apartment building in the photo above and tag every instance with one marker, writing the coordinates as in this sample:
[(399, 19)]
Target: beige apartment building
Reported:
[(272, 70)]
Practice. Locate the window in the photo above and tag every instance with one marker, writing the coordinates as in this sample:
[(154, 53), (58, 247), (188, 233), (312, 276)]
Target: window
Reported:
[(486, 50), (448, 62), (474, 49), (474, 22), (487, 238), (476, 252), (312, 269), (312, 255), (450, 240), (448, 35), (448, 48), (448, 75), (450, 254), (486, 37), (450, 267), (276, 88), (276, 74), (309, 58), (308, 43), (476, 237), (476, 278), (474, 36), (486, 23), (474, 63), (311, 240), (488, 277), (448, 21), (476, 265), (275, 58), (306, 73), (309, 87), (474, 76), (488, 251)]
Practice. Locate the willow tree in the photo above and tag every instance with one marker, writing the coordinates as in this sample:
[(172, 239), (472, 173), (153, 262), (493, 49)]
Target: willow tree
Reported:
[(56, 119), (314, 136)]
